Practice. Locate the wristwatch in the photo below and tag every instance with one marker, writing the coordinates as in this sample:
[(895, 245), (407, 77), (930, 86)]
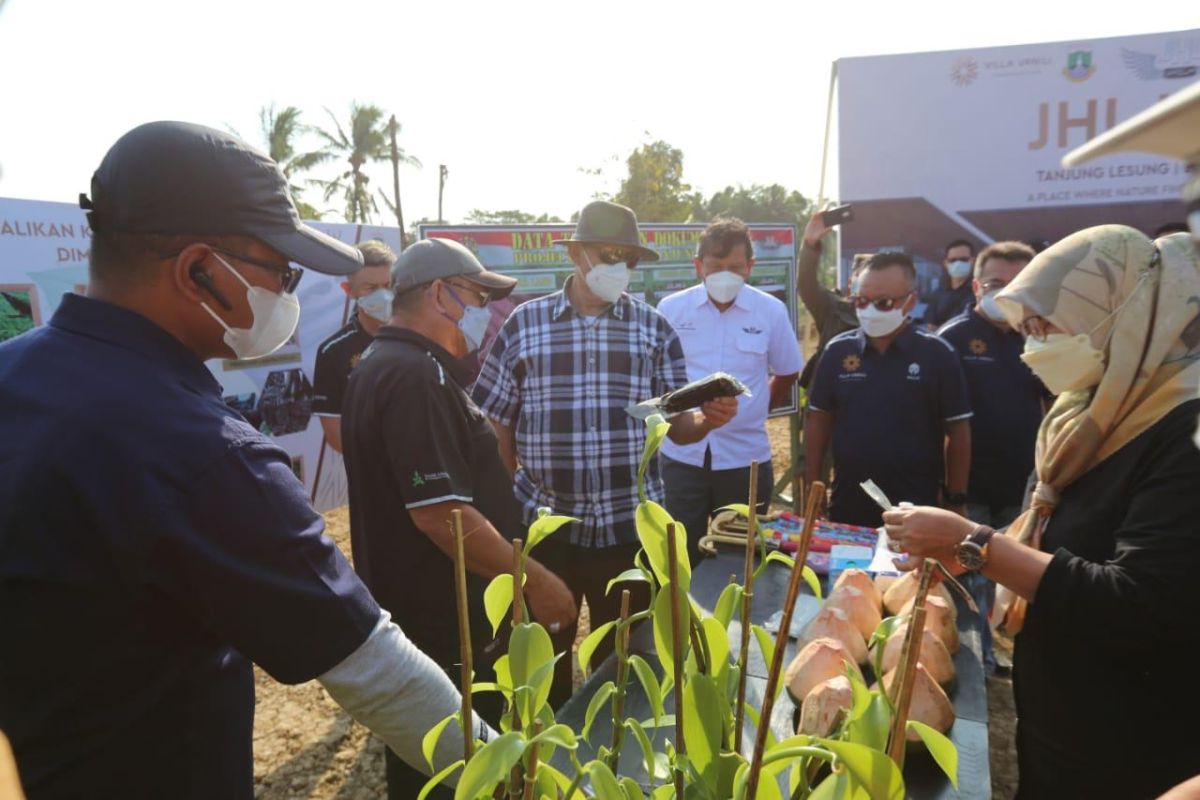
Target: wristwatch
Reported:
[(972, 552)]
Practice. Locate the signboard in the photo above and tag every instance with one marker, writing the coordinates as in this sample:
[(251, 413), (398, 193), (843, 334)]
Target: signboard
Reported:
[(43, 255), (968, 144), (529, 254)]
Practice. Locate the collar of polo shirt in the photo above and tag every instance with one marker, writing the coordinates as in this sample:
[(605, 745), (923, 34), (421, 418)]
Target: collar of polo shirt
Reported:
[(702, 297), (903, 340), (563, 304)]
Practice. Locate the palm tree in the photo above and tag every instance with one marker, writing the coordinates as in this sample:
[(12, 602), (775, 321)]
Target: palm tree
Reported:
[(280, 130), (366, 139)]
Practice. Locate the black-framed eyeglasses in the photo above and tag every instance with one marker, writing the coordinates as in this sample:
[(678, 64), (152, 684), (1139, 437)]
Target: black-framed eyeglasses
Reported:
[(484, 297), (290, 275), (992, 285), (880, 303)]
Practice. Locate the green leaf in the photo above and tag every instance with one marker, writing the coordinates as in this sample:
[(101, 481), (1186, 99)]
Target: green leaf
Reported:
[(753, 715), (639, 733), (877, 773), (873, 726), (813, 581), (498, 598), (530, 649), (429, 742), (766, 644), (702, 725), (634, 574), (589, 645), (656, 430), (489, 766), (649, 681), (740, 508), (542, 527), (603, 782), (482, 688), (597, 702), (559, 735), (664, 792), (437, 779), (549, 779), (651, 521), (779, 558), (941, 748), (631, 789), (663, 643), (728, 604)]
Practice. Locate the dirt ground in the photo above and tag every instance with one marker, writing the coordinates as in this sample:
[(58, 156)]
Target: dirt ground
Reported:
[(306, 747)]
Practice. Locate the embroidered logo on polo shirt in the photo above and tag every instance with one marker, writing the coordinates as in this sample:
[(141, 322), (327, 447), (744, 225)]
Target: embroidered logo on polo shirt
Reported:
[(978, 346), (851, 363), (686, 325), (417, 479), (752, 329), (914, 371), (354, 359)]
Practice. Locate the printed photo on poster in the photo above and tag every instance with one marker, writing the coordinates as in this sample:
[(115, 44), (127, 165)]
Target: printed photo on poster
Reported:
[(19, 310)]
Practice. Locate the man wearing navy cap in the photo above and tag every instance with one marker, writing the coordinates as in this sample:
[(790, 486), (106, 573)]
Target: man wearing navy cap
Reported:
[(152, 543)]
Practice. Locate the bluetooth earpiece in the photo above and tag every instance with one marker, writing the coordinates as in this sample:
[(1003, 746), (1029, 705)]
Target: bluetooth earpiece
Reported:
[(201, 278)]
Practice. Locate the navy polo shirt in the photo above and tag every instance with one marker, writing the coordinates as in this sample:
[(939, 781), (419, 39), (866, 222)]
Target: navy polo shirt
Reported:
[(1007, 400), (152, 545), (890, 411)]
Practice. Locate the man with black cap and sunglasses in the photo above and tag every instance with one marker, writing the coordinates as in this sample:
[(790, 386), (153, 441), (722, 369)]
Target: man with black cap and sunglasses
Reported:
[(556, 383), (418, 448), (893, 400), (152, 543)]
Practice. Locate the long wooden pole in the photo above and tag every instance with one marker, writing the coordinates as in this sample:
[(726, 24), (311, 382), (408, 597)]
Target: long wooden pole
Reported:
[(815, 498), (747, 598), (516, 782), (464, 634), (677, 648), (621, 647), (906, 675)]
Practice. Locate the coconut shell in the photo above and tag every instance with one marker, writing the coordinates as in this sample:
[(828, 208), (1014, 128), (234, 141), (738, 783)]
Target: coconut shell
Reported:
[(860, 580), (929, 703), (883, 583), (824, 705), (834, 623), (861, 610), (939, 618), (905, 589), (934, 656), (817, 662)]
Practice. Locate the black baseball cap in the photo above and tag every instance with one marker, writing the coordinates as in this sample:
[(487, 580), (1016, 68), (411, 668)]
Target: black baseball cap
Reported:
[(172, 178)]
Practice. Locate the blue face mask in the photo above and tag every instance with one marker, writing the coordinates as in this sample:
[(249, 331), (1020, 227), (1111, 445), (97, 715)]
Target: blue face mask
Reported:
[(959, 269), (474, 321)]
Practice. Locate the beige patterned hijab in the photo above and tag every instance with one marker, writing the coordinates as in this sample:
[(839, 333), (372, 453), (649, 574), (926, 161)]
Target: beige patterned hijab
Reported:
[(1139, 301)]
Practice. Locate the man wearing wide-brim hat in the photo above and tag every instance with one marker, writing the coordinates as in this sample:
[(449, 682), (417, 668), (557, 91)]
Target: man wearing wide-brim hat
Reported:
[(555, 384)]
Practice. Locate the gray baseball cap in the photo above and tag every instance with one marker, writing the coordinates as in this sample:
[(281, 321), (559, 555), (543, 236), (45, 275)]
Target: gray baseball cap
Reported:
[(430, 259), (177, 178)]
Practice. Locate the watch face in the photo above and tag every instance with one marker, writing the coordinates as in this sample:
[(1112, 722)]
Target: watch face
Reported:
[(970, 555)]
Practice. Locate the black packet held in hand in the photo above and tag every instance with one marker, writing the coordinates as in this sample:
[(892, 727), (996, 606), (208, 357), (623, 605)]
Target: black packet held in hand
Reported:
[(695, 394)]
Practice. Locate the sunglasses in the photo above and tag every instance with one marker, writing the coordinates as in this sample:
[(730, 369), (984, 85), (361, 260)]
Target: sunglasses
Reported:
[(617, 255), (880, 303), (484, 297)]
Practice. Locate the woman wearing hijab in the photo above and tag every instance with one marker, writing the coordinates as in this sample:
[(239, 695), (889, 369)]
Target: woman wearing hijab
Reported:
[(1101, 570)]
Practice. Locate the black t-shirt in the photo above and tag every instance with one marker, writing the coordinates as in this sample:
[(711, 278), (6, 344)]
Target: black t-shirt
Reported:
[(1105, 665), (890, 411), (336, 357), (947, 303), (1006, 398), (413, 437)]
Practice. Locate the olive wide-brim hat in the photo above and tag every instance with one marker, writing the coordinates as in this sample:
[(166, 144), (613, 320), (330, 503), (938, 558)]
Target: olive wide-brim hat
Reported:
[(602, 222)]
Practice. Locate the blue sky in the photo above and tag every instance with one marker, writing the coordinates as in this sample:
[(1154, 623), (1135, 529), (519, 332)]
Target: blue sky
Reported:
[(514, 97)]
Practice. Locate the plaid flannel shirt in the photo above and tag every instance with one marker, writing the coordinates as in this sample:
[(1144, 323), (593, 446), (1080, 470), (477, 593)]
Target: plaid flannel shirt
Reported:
[(563, 381)]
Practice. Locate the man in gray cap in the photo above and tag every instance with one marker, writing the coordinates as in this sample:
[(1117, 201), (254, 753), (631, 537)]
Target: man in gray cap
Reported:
[(556, 382), (152, 543), (417, 448)]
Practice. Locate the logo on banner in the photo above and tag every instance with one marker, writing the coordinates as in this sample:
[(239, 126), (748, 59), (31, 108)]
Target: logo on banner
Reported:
[(1079, 66), (964, 71), (1145, 66)]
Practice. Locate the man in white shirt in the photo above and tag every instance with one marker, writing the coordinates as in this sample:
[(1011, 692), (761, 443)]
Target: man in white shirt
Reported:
[(727, 326)]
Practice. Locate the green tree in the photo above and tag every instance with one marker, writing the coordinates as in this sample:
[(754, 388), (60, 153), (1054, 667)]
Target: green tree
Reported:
[(772, 203), (654, 187), (364, 140), (280, 130), (508, 217)]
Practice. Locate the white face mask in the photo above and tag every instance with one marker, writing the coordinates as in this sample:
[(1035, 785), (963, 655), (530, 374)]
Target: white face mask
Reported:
[(274, 320), (989, 308), (1064, 363), (378, 304), (723, 286), (473, 323), (876, 323), (959, 269), (607, 281)]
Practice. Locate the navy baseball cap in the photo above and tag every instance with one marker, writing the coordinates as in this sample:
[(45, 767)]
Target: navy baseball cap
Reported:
[(173, 178)]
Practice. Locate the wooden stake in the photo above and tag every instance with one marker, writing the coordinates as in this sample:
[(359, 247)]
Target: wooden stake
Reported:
[(677, 647), (515, 781), (531, 769), (621, 647), (464, 634), (747, 597), (781, 638), (906, 675)]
